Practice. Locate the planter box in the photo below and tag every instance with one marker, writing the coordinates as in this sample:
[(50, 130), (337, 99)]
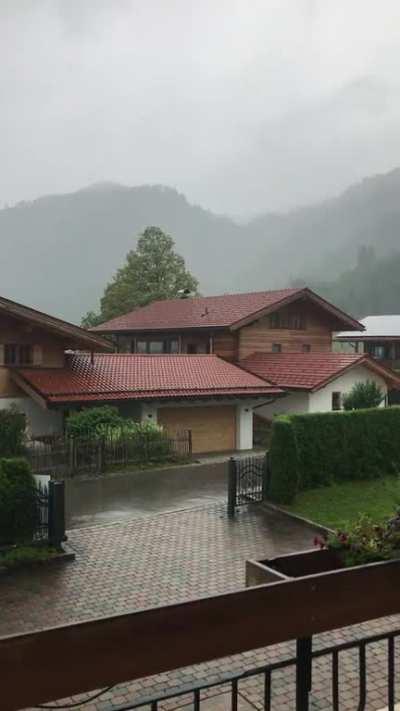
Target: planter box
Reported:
[(294, 565)]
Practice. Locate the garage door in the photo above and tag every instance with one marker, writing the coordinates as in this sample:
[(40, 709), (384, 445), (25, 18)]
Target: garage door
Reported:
[(213, 428)]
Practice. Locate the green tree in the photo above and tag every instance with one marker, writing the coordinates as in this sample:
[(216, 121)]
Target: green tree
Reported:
[(91, 319), (363, 395), (152, 271)]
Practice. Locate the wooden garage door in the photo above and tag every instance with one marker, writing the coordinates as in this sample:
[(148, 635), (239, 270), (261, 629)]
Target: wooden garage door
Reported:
[(213, 428)]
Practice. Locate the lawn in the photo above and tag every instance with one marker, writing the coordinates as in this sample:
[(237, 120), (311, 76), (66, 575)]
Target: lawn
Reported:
[(336, 505)]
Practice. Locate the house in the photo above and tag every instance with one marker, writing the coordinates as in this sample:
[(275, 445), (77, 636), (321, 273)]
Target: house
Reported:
[(205, 394), (232, 325), (380, 338), (316, 382), (30, 338)]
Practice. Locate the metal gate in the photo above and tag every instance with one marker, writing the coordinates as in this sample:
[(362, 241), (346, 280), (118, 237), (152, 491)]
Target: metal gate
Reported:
[(247, 481)]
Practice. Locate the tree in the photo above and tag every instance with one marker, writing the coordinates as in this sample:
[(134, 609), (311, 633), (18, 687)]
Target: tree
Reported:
[(362, 396), (91, 319), (152, 271)]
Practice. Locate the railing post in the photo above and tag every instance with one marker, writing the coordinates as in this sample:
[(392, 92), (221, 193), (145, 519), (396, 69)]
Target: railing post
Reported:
[(232, 484), (56, 513), (303, 673), (266, 476), (190, 442)]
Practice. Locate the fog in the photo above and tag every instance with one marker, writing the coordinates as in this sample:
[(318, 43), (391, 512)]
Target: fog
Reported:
[(243, 106)]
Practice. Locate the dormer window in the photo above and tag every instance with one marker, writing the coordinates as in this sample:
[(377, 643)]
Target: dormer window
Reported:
[(18, 354), (293, 321)]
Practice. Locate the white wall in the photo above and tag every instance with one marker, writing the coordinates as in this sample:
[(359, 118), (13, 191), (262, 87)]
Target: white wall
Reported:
[(292, 403), (39, 420), (149, 412), (321, 401)]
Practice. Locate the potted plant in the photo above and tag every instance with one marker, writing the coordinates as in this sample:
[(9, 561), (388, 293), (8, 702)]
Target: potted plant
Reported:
[(365, 542)]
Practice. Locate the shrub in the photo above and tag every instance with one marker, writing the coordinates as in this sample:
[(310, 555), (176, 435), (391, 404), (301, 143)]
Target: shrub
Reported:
[(148, 441), (93, 421), (363, 396), (18, 501), (283, 462), (334, 446), (365, 541), (12, 432)]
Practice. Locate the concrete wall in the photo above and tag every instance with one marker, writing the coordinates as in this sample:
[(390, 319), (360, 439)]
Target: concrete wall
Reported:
[(293, 403), (39, 421), (321, 401)]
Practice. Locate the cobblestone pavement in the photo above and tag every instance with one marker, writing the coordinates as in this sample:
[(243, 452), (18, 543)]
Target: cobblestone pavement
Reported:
[(168, 558)]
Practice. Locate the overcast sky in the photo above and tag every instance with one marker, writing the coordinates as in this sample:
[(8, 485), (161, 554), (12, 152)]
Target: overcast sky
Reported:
[(243, 105)]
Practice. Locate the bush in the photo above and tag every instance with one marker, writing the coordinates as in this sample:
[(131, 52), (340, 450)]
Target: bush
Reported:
[(363, 396), (18, 501), (93, 422), (333, 446), (12, 432), (148, 441)]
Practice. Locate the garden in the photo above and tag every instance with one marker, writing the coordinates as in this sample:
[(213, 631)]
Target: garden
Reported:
[(341, 470)]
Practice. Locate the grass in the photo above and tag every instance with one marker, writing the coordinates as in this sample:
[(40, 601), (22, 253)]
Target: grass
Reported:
[(339, 504), (22, 555)]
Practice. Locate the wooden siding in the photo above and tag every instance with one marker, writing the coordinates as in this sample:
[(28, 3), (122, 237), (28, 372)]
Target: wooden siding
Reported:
[(225, 344), (213, 428), (48, 350), (317, 333)]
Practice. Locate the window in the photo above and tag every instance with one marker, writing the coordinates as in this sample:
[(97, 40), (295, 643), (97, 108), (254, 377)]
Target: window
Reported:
[(156, 347), (306, 348), (141, 346), (336, 401), (276, 348), (287, 320), (18, 354), (174, 346)]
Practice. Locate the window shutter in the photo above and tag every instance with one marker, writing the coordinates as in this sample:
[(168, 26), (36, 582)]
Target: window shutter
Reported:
[(37, 355), (1, 354)]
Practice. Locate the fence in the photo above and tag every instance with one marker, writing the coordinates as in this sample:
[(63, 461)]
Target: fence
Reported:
[(67, 456), (50, 519), (247, 481)]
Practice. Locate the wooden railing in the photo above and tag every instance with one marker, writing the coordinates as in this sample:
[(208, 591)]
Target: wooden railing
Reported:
[(39, 667)]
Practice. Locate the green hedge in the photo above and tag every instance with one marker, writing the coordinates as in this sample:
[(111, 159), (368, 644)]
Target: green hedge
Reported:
[(314, 450), (18, 501)]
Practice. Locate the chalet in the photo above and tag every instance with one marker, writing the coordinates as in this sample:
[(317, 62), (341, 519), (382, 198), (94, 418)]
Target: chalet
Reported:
[(35, 340), (379, 337), (231, 326)]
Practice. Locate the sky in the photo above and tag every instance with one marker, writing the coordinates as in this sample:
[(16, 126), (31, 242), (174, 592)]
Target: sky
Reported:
[(245, 106)]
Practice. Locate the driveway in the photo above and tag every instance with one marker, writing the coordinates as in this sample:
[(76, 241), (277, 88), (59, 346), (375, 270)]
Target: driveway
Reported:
[(121, 496), (169, 557)]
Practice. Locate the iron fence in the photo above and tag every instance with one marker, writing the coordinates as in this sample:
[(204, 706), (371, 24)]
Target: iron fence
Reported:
[(64, 456), (345, 686), (50, 512), (247, 480)]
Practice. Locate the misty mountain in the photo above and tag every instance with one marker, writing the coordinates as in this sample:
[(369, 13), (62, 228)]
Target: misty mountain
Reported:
[(59, 251)]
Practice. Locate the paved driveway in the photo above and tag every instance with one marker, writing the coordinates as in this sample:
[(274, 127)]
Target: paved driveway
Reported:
[(160, 559)]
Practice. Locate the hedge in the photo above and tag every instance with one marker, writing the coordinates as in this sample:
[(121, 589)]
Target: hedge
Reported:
[(18, 501), (314, 450)]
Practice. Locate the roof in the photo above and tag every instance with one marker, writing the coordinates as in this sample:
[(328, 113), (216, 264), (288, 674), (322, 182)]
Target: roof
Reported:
[(375, 327), (224, 311), (311, 371), (141, 377), (74, 335)]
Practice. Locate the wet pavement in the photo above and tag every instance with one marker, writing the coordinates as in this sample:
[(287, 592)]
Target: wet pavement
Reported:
[(170, 557), (121, 496)]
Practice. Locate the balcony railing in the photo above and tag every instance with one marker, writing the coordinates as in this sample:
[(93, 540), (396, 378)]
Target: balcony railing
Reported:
[(38, 667)]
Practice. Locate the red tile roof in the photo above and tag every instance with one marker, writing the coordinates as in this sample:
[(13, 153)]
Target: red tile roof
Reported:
[(141, 377), (196, 312), (310, 371), (225, 311)]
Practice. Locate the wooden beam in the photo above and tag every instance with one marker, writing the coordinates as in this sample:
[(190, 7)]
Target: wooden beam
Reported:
[(43, 666)]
